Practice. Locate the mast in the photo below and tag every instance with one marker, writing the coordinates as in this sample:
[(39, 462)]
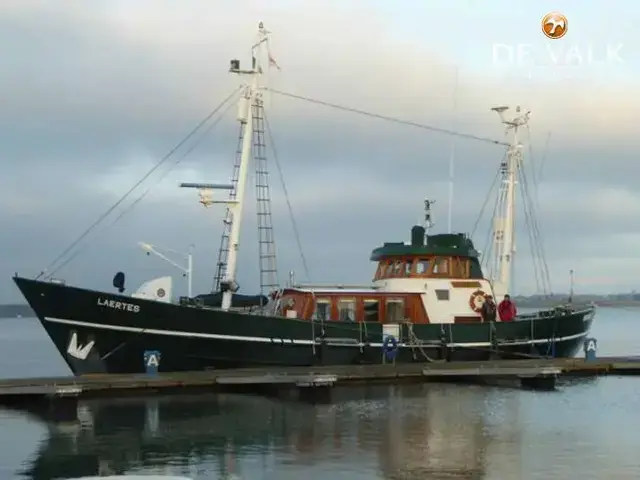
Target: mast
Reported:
[(504, 222), (235, 210)]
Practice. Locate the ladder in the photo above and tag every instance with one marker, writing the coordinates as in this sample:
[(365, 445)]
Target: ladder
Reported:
[(266, 250), (223, 251), (266, 246)]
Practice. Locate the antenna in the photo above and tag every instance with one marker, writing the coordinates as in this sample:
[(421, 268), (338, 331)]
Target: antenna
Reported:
[(428, 222), (519, 120), (452, 153), (571, 280), (500, 111)]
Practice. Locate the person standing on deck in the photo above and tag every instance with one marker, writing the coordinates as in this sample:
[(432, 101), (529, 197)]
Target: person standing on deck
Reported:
[(488, 310), (507, 309)]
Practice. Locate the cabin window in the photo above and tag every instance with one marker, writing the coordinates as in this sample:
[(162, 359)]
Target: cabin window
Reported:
[(383, 269), (347, 309), (371, 309), (441, 266), (459, 267), (408, 266), (323, 309), (379, 270), (442, 294), (475, 271), (422, 266), (395, 310), (397, 268)]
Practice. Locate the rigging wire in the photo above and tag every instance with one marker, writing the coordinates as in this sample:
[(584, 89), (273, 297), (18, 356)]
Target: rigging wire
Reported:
[(537, 233), (533, 206), (531, 236), (544, 156), (488, 197), (390, 119), (133, 204), (488, 248), (153, 169), (286, 196)]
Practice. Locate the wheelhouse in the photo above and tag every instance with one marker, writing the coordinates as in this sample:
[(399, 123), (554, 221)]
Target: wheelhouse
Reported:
[(451, 256), (432, 279)]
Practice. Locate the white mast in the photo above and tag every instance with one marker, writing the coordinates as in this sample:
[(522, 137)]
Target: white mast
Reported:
[(250, 93), (504, 226), (245, 116)]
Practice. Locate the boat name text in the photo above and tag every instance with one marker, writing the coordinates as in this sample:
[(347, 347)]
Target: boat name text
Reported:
[(129, 307)]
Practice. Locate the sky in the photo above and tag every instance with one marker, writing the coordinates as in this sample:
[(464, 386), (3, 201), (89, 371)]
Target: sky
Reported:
[(96, 93)]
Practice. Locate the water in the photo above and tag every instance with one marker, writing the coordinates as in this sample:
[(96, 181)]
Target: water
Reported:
[(585, 430)]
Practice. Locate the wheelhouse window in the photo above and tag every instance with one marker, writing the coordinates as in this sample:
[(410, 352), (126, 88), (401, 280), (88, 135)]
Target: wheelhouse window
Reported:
[(422, 266), (371, 310), (408, 267), (347, 309), (441, 266), (323, 309), (397, 268), (459, 267), (395, 310), (383, 269)]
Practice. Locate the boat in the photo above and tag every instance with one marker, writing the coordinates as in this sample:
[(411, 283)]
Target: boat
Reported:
[(423, 304)]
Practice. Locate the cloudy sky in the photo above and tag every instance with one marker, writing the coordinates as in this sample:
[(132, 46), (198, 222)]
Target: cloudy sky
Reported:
[(96, 92)]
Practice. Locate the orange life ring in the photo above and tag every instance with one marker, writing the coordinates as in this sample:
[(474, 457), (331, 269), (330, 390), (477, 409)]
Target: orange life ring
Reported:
[(476, 300)]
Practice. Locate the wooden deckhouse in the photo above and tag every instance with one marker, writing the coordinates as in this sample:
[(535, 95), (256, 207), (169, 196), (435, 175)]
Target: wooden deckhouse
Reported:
[(432, 279)]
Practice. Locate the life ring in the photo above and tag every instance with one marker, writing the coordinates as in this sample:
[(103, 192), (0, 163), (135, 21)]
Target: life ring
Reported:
[(476, 300), (390, 346)]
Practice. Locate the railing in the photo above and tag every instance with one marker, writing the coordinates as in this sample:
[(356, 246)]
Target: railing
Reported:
[(566, 309)]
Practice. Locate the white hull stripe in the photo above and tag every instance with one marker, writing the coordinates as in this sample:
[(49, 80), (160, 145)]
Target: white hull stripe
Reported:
[(238, 338)]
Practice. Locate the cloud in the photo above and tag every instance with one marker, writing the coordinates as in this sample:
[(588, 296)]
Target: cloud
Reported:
[(100, 92)]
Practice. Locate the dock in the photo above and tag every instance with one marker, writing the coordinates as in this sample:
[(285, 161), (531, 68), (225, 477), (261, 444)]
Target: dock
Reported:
[(312, 382)]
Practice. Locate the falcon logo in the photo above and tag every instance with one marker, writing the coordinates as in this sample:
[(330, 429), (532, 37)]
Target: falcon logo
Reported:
[(554, 25), (81, 352)]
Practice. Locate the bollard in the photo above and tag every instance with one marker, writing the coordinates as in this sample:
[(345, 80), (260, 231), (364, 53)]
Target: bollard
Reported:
[(152, 361), (590, 347)]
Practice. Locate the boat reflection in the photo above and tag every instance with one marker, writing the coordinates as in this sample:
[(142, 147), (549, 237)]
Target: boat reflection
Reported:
[(430, 431)]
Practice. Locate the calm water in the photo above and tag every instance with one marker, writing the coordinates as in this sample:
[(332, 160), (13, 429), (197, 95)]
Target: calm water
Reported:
[(585, 430)]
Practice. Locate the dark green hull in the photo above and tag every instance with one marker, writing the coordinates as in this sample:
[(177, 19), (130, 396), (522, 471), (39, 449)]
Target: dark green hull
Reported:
[(122, 329)]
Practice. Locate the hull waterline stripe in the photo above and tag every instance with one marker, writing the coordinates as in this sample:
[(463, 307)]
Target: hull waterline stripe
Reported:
[(238, 338)]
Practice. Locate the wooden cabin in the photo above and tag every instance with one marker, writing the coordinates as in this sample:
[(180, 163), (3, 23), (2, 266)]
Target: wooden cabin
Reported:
[(433, 279), (352, 305)]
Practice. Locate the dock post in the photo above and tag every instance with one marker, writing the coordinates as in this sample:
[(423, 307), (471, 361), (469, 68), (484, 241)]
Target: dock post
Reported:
[(152, 361), (590, 347), (539, 382)]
